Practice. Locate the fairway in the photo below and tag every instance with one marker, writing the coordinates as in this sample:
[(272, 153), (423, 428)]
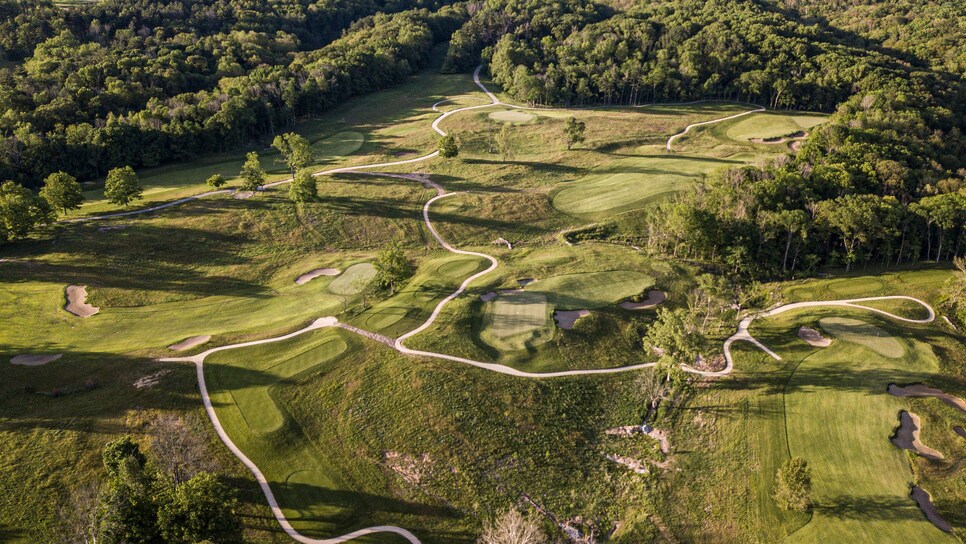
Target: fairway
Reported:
[(512, 116), (770, 125), (517, 321), (839, 418), (353, 280), (631, 182), (338, 145), (591, 290), (864, 334)]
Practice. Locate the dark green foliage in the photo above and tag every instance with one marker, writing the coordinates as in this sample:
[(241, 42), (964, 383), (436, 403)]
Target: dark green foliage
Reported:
[(122, 186), (392, 266), (295, 149), (575, 131), (21, 210), (62, 192), (447, 147), (216, 181), (116, 451), (252, 174), (201, 508), (793, 485)]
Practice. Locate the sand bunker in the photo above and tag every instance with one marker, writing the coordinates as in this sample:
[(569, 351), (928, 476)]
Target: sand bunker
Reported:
[(653, 299), (781, 139), (77, 301), (960, 431), (486, 297), (512, 116), (813, 338), (35, 360), (924, 501), (567, 318), (312, 274), (523, 282), (242, 195), (920, 390), (907, 436), (189, 343)]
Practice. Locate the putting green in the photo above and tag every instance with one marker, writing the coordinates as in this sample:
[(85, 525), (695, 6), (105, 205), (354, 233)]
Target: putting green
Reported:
[(339, 145), (353, 280), (512, 116), (839, 418), (591, 290), (770, 125), (864, 334), (631, 182), (516, 321)]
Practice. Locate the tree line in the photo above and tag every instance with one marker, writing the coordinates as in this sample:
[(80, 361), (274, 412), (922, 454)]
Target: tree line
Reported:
[(101, 89)]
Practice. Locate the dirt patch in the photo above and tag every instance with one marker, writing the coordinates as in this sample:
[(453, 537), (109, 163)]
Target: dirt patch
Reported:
[(109, 229), (796, 145), (243, 195), (634, 430), (35, 360), (486, 297), (77, 301), (924, 501), (637, 466), (920, 391), (312, 274), (653, 299), (149, 381), (189, 343), (566, 319), (813, 338), (907, 436), (410, 468)]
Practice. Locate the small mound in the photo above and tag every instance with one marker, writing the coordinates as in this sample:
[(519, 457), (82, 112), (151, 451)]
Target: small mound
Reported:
[(813, 338), (567, 319), (353, 280), (189, 343), (312, 274), (653, 299), (907, 436), (924, 501), (511, 116), (864, 334), (35, 360), (77, 301), (920, 390)]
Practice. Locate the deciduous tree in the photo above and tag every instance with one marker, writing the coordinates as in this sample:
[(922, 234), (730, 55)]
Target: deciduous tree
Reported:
[(793, 485), (295, 149), (304, 187), (122, 186), (62, 192), (574, 131), (251, 173)]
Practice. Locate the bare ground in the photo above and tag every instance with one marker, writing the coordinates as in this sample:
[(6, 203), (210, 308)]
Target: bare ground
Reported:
[(35, 360)]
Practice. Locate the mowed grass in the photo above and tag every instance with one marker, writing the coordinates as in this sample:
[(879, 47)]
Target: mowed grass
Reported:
[(517, 321), (770, 125), (586, 291), (839, 418), (631, 182), (353, 280)]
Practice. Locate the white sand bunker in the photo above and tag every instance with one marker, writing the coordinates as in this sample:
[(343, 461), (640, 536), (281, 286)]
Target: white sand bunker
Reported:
[(486, 297), (567, 318), (312, 274), (35, 360), (813, 338), (511, 116), (189, 343), (924, 391), (149, 381), (800, 135), (959, 431), (653, 299), (77, 301), (523, 282), (907, 436), (922, 498)]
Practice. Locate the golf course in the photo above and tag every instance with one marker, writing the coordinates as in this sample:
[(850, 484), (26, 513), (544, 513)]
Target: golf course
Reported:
[(346, 407)]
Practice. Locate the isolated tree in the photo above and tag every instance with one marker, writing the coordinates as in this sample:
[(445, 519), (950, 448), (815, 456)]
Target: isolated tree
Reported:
[(448, 147), (504, 142), (575, 132), (392, 267), (62, 192), (652, 387), (512, 527), (793, 485), (178, 448), (216, 181), (295, 149), (251, 173), (200, 509), (303, 187), (118, 450), (122, 186), (21, 210)]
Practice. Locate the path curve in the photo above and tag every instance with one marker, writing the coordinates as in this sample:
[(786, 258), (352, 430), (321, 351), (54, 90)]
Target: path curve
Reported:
[(689, 127)]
